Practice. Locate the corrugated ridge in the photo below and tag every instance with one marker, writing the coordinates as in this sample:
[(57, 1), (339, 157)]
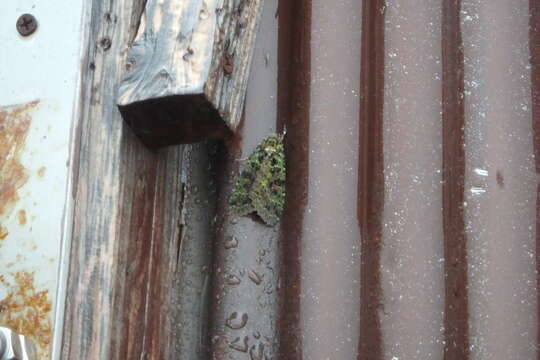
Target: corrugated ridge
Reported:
[(371, 177), (294, 65), (455, 240), (534, 48)]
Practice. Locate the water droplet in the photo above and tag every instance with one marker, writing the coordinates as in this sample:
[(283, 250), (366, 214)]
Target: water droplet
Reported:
[(238, 345), (235, 322), (233, 280), (257, 352), (478, 190), (255, 277), (481, 172), (231, 242)]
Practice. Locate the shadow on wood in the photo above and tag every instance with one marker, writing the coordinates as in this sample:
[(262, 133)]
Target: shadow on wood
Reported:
[(174, 120)]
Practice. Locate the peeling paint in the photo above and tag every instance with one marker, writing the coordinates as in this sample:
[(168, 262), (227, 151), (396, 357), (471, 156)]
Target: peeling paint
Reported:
[(27, 310)]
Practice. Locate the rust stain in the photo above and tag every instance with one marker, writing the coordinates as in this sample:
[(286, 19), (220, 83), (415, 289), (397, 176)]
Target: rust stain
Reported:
[(41, 171), (500, 178), (3, 232), (21, 216), (14, 125), (26, 310)]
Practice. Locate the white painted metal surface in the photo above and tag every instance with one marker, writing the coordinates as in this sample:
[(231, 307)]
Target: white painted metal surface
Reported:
[(42, 69)]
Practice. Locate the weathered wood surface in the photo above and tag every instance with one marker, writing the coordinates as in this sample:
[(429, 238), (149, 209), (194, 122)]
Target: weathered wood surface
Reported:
[(194, 267), (188, 69), (128, 202)]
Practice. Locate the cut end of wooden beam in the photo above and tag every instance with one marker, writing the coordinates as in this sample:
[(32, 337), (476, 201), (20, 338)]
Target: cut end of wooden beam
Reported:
[(188, 70), (171, 120)]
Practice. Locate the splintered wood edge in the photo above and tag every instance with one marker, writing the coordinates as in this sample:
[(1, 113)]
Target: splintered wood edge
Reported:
[(228, 91)]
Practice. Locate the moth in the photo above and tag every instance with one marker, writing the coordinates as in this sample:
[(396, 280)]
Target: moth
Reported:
[(260, 187)]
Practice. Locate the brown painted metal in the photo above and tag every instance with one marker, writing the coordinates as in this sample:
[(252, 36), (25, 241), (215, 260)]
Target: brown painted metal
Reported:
[(455, 241), (500, 178), (323, 321), (534, 50), (371, 177), (446, 185), (294, 67), (412, 273)]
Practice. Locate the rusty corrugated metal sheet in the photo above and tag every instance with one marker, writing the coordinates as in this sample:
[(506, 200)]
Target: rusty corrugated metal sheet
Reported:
[(410, 229)]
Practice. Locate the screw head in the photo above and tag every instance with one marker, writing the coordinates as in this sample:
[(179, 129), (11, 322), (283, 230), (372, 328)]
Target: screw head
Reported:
[(26, 24)]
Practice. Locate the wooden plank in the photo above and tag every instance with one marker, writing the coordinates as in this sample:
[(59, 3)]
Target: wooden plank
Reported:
[(126, 219), (188, 68)]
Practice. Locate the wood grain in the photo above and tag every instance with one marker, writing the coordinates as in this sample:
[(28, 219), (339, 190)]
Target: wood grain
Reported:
[(126, 218), (188, 68)]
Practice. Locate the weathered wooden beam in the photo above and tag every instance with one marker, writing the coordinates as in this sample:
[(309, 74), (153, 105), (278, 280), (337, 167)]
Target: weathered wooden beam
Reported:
[(188, 68), (128, 202)]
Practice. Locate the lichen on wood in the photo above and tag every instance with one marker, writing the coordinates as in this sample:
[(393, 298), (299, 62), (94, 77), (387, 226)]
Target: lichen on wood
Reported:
[(260, 187)]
